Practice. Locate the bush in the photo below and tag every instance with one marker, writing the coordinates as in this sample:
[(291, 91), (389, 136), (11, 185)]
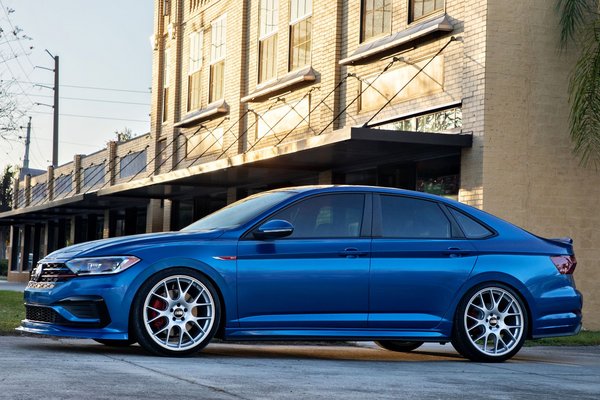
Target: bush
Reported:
[(3, 267)]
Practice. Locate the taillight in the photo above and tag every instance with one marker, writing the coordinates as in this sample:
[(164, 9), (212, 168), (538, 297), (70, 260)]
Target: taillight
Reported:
[(565, 264)]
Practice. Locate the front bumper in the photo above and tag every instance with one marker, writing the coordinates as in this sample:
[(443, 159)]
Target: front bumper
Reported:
[(85, 307)]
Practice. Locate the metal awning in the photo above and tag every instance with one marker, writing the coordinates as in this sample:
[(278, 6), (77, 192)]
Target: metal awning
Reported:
[(78, 204), (345, 149), (342, 150)]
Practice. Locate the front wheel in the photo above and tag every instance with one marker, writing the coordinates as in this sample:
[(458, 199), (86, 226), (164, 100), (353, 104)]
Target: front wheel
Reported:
[(490, 324), (176, 312), (398, 345)]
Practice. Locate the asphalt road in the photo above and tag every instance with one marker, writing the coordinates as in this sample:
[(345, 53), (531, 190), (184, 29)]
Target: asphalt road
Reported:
[(33, 368)]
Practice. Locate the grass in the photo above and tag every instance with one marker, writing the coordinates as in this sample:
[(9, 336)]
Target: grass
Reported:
[(11, 311), (584, 338)]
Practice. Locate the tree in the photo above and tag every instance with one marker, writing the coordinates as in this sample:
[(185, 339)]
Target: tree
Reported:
[(6, 182), (124, 135), (580, 24)]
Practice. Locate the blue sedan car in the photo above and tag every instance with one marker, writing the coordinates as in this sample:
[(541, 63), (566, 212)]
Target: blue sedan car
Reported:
[(320, 262)]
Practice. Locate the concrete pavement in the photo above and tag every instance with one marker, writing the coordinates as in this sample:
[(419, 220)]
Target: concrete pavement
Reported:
[(74, 369), (12, 286)]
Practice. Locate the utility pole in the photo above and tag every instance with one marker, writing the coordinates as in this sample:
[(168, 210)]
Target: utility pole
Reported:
[(27, 142), (55, 125)]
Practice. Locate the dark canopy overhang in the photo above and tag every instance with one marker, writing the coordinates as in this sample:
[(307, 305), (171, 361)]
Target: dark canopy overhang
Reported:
[(342, 150)]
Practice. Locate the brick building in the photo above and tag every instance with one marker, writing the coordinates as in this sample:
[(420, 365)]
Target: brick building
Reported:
[(462, 98)]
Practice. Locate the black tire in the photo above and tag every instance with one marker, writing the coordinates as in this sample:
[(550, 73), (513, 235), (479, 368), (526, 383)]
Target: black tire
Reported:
[(481, 317), (116, 343), (176, 312), (398, 345)]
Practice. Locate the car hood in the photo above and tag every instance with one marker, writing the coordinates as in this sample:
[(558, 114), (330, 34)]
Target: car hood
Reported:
[(112, 245)]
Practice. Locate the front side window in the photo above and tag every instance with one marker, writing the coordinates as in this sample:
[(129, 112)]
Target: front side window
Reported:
[(300, 33), (409, 218), (376, 18), (269, 20), (217, 59), (194, 67), (328, 216), (421, 8)]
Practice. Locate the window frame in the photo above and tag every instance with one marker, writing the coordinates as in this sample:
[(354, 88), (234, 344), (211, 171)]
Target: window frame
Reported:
[(217, 61), (195, 70), (166, 79), (362, 36), (456, 232), (263, 38), (366, 223), (293, 23), (411, 16)]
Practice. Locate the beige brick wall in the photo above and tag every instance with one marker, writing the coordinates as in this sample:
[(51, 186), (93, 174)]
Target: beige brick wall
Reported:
[(530, 175)]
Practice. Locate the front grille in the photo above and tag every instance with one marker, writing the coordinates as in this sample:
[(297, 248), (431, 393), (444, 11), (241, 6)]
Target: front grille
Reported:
[(92, 309), (43, 314), (51, 273)]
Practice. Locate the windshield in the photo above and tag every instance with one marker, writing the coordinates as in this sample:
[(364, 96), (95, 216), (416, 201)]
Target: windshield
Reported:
[(240, 212)]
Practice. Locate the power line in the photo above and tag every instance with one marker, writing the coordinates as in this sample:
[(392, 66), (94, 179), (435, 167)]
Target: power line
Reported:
[(90, 87), (92, 117), (93, 100)]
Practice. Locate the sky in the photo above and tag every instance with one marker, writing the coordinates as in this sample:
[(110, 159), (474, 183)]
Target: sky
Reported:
[(102, 45)]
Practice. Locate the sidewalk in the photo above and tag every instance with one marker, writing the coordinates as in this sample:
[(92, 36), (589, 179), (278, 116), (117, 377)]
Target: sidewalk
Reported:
[(12, 286)]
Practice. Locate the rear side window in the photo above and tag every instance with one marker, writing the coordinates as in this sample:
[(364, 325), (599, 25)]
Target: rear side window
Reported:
[(404, 217), (328, 216), (471, 228)]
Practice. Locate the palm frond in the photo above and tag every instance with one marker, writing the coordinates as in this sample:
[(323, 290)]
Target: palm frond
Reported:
[(584, 91), (573, 14)]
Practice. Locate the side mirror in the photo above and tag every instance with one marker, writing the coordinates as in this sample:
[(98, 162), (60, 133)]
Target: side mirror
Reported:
[(276, 228)]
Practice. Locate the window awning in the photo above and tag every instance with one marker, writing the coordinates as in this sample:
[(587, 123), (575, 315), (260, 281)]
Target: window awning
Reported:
[(212, 110), (376, 47)]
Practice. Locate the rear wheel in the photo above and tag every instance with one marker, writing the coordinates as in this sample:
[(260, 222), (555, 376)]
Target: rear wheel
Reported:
[(116, 343), (398, 345), (490, 324), (176, 312)]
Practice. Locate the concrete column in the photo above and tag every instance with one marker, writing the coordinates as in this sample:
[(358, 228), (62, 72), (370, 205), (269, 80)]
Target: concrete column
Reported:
[(154, 216), (16, 191), (27, 190), (76, 232), (111, 150), (326, 177), (50, 183), (77, 173), (232, 195), (107, 230), (24, 248), (37, 237), (167, 205), (13, 249)]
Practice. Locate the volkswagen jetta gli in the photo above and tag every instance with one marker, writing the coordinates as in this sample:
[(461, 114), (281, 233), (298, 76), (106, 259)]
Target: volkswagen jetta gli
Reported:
[(326, 263)]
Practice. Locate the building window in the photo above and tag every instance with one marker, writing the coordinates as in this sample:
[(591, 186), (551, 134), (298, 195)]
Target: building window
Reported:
[(93, 175), (269, 19), (376, 18), (300, 33), (132, 164), (205, 142), (166, 80), (194, 67), (440, 121), (63, 185), (217, 59), (422, 8)]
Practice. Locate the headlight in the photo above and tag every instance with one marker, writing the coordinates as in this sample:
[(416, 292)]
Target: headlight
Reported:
[(101, 265)]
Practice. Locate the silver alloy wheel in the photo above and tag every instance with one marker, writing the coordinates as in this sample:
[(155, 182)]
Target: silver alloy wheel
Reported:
[(494, 321), (179, 312)]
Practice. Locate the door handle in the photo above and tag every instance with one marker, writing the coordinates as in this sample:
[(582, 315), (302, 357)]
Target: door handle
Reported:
[(352, 252), (456, 252)]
